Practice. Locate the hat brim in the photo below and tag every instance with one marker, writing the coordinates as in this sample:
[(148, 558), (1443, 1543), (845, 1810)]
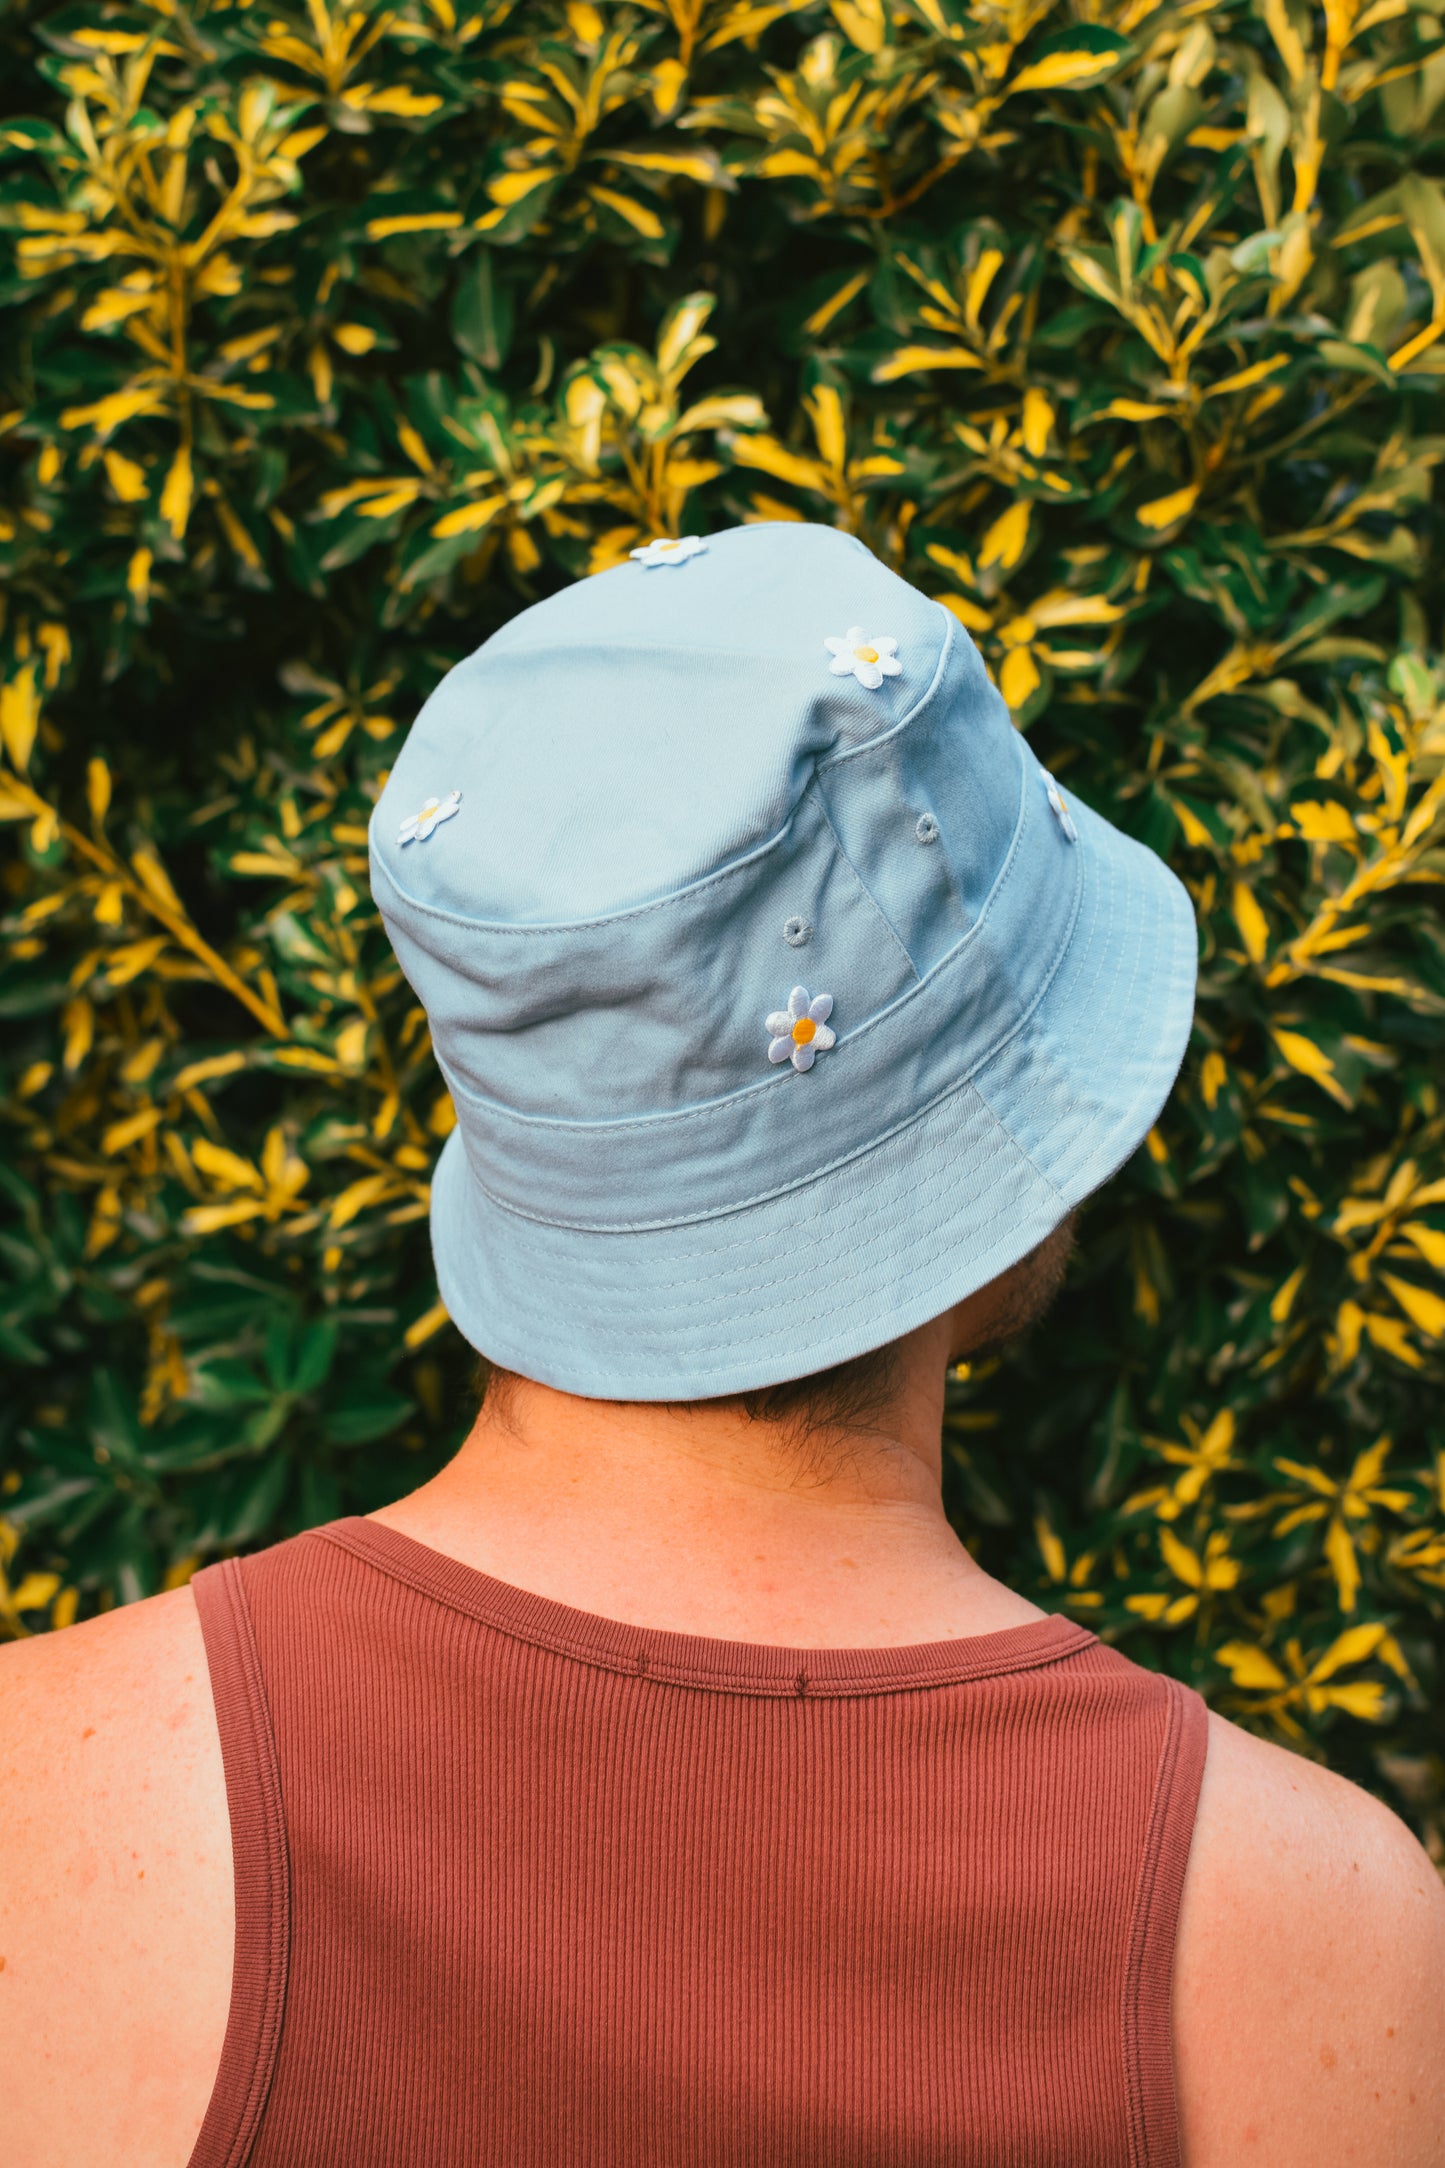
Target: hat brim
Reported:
[(893, 1237)]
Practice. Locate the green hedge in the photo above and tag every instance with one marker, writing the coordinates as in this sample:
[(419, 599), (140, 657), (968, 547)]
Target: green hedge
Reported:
[(331, 339)]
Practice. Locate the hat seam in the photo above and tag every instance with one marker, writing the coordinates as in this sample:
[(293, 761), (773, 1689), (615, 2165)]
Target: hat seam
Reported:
[(782, 1189), (734, 867), (854, 1269), (858, 1270), (718, 873), (1183, 975), (778, 1079), (1181, 965), (870, 745), (816, 1174), (827, 819), (742, 1204)]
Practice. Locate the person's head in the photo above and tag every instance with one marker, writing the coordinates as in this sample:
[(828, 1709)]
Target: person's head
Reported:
[(785, 1003)]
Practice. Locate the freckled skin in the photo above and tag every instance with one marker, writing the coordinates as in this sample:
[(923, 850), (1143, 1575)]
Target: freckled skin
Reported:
[(117, 1987)]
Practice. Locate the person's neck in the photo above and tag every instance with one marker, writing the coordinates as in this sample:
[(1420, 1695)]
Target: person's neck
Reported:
[(702, 1521)]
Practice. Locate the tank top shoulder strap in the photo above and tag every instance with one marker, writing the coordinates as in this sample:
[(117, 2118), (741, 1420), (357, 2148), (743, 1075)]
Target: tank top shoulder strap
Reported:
[(261, 1869)]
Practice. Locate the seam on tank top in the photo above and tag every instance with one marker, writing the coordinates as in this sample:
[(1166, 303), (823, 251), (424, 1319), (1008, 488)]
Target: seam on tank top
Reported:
[(784, 1687), (1146, 2015), (261, 1869)]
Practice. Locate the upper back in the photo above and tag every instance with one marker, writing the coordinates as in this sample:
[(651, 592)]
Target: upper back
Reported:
[(555, 1876)]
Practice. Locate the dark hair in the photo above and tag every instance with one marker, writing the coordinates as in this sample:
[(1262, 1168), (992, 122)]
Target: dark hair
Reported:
[(844, 1399)]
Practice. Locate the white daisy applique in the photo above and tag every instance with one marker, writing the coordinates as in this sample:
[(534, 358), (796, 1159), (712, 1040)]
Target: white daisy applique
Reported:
[(664, 550), (1061, 812), (800, 1033), (868, 656), (421, 824)]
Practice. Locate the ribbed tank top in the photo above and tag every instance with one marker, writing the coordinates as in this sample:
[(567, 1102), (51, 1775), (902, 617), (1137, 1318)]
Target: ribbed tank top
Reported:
[(521, 1887)]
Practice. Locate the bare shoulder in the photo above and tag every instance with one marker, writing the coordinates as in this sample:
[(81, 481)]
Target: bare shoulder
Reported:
[(1309, 1979), (116, 1907)]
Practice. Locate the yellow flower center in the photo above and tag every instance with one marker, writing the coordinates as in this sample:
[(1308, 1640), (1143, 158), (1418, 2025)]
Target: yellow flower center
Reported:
[(804, 1031), (430, 807), (866, 654), (669, 545)]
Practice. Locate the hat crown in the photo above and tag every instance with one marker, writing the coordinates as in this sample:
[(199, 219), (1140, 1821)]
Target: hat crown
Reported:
[(641, 728), (663, 781)]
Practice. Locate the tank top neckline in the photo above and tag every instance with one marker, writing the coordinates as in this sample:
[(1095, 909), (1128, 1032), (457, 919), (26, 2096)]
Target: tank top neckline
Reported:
[(748, 1667)]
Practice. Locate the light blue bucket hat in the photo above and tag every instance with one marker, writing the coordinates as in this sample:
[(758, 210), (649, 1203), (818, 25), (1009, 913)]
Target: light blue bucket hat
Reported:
[(783, 998)]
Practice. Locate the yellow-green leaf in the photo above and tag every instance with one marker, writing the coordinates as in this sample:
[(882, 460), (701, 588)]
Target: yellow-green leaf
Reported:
[(107, 414), (1311, 1061), (205, 1071), (127, 1132), (635, 214), (1051, 1550), (1019, 679), (206, 1219), (1284, 1297), (1252, 923), (177, 494), (816, 324), (126, 477), (225, 1168), (1340, 1555), (1164, 512), (1353, 1646), (1003, 545), (357, 1196), (403, 103), (1429, 1241), (354, 338), (1181, 1561), (1322, 821), (469, 518), (1242, 378), (771, 457), (912, 360), (690, 165), (35, 1591), (1362, 1697), (20, 715), (1425, 1309), (1060, 607), (383, 229), (968, 613), (1249, 1666), (1063, 70), (736, 410), (423, 1327)]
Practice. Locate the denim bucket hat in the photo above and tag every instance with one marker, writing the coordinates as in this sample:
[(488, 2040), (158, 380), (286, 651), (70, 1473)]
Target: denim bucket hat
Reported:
[(783, 998)]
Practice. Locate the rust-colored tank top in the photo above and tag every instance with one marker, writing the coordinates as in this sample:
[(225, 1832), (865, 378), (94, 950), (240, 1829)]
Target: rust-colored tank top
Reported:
[(521, 1887)]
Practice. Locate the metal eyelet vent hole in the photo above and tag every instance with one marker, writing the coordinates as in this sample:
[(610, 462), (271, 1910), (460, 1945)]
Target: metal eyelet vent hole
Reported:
[(796, 931), (927, 828)]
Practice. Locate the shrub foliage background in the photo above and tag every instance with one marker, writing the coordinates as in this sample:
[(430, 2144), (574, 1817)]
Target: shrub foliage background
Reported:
[(334, 335)]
